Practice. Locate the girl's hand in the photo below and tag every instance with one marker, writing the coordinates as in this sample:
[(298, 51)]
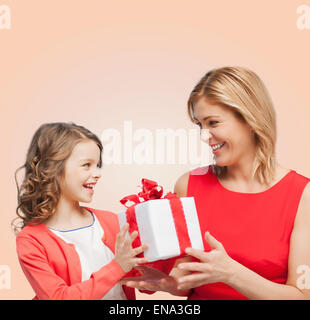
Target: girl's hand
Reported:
[(215, 265), (125, 255)]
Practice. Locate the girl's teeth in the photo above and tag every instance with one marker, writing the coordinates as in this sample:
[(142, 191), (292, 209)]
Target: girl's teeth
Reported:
[(88, 186)]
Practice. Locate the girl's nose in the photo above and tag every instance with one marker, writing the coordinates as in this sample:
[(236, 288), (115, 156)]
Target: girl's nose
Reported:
[(97, 173)]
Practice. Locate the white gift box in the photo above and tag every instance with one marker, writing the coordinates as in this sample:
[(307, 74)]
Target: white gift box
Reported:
[(156, 227)]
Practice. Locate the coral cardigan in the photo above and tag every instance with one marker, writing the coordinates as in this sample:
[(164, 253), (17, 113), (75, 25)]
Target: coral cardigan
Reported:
[(52, 266)]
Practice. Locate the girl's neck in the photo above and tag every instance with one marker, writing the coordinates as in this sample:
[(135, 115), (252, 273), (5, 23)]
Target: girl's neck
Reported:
[(68, 215)]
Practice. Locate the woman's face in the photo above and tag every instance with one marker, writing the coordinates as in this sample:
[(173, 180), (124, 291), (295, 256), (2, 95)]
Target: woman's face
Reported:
[(82, 172), (235, 136)]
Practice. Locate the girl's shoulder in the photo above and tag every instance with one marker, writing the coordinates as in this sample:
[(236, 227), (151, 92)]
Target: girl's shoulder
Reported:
[(32, 231)]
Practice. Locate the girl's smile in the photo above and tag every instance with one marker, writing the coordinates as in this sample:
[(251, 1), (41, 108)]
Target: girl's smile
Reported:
[(81, 172)]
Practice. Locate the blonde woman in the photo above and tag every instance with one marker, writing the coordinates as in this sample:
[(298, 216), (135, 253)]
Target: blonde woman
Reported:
[(254, 213)]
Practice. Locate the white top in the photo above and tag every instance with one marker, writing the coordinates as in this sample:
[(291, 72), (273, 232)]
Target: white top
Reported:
[(93, 253)]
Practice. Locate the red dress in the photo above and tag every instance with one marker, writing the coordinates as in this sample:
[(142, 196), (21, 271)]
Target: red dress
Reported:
[(254, 228)]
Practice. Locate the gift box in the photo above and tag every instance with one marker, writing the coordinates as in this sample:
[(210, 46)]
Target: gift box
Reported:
[(168, 224)]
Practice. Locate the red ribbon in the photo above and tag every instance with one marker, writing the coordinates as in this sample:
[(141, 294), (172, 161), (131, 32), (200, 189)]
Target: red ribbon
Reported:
[(151, 191)]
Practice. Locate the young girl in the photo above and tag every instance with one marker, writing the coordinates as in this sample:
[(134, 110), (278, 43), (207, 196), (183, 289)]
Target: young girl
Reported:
[(66, 250)]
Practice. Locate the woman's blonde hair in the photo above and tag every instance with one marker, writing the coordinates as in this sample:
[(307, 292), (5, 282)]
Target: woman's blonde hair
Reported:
[(49, 149), (244, 93)]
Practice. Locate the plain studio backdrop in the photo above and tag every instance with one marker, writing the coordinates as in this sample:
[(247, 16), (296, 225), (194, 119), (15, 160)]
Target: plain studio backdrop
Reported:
[(101, 63)]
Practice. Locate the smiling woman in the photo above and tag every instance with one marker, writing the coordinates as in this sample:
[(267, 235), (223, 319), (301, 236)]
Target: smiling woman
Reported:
[(238, 94), (254, 214)]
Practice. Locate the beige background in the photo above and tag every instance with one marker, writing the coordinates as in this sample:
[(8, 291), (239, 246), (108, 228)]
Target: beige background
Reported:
[(98, 63)]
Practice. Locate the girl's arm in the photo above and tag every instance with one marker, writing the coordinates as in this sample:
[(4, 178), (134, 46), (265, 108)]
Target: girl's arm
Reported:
[(48, 285)]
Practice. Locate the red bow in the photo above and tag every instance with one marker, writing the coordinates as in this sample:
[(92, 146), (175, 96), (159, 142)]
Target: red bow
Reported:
[(150, 191)]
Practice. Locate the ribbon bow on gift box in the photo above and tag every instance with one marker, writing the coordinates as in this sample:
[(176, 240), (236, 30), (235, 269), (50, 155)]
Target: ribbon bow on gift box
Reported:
[(152, 191)]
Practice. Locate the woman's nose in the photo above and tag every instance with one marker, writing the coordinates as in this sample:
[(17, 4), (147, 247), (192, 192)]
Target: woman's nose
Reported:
[(205, 135)]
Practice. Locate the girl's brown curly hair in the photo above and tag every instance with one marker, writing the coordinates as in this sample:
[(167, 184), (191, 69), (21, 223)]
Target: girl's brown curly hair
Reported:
[(39, 192)]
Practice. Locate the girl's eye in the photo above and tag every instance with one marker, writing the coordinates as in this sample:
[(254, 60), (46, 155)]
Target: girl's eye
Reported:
[(86, 165)]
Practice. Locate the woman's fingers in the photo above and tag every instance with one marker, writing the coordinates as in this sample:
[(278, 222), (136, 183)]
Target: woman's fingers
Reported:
[(201, 255), (193, 266), (191, 281)]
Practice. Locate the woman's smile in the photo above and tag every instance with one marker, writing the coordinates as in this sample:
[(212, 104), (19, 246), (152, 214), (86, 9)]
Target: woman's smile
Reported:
[(217, 147)]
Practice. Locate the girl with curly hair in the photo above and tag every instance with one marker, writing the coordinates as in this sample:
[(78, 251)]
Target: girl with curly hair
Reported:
[(68, 251)]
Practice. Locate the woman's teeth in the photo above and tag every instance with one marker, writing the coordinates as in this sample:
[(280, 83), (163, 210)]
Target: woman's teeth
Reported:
[(217, 146)]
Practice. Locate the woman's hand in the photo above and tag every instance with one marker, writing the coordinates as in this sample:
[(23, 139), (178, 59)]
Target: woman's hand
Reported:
[(150, 279), (125, 255), (215, 265), (155, 280)]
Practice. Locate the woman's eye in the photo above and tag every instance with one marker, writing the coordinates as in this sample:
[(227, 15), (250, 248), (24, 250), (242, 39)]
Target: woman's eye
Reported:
[(213, 122), (86, 165)]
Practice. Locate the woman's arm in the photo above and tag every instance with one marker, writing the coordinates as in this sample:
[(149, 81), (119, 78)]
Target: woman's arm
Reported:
[(247, 282)]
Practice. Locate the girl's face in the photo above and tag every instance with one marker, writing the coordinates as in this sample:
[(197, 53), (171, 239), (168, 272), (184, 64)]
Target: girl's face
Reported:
[(82, 172), (235, 136)]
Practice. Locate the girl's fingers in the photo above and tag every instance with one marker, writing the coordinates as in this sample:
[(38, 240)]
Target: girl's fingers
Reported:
[(133, 236), (140, 260), (139, 249), (122, 233)]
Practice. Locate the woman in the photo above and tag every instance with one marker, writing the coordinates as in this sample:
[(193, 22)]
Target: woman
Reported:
[(253, 212)]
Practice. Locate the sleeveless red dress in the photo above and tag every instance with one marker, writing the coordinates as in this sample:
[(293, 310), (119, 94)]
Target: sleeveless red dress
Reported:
[(254, 228)]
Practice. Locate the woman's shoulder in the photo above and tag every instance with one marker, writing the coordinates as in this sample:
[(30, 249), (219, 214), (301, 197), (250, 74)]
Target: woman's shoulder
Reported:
[(301, 177), (181, 185)]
